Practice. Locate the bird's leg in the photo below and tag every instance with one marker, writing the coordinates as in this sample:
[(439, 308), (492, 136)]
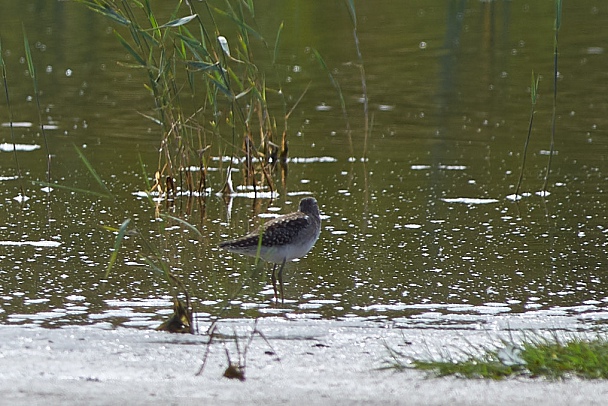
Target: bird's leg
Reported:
[(281, 282), (274, 282)]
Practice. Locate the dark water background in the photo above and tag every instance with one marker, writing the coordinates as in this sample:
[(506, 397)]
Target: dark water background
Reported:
[(420, 230)]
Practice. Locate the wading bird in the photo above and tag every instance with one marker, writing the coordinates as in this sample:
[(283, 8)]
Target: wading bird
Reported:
[(282, 239)]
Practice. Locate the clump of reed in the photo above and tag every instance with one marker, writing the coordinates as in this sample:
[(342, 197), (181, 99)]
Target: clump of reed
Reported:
[(209, 97)]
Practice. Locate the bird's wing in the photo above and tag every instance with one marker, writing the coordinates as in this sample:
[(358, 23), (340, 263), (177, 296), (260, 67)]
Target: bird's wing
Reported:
[(283, 229)]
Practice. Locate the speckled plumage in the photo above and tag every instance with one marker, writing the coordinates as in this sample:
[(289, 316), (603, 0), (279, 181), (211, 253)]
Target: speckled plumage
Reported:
[(284, 238)]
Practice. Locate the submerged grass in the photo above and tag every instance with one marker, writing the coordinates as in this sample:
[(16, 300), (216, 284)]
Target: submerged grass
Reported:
[(551, 358)]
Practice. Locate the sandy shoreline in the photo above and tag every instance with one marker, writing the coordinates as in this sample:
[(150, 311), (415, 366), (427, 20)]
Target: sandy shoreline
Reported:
[(314, 362)]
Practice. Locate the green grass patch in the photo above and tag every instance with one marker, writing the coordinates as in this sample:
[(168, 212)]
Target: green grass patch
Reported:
[(552, 358)]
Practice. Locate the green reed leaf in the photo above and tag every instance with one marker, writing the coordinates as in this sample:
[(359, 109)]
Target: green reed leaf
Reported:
[(117, 244), (179, 21), (92, 170), (276, 44)]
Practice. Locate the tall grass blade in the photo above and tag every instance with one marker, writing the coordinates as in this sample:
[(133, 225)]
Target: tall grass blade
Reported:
[(533, 96), (32, 70), (105, 10), (154, 267), (241, 24), (334, 82), (30, 62), (558, 22), (275, 54), (558, 14), (199, 51), (117, 244), (249, 4), (130, 49), (178, 22), (161, 268), (351, 11), (185, 224), (353, 16), (222, 88), (92, 171), (336, 85), (291, 110), (202, 66), (147, 180), (71, 189), (10, 119)]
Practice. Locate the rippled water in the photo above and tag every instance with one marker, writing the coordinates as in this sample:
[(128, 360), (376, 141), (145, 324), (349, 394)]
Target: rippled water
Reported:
[(423, 230)]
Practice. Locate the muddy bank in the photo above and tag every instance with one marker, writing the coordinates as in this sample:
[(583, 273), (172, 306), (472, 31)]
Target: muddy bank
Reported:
[(304, 362)]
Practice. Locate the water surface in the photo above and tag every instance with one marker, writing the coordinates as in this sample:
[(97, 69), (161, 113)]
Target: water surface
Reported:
[(419, 228)]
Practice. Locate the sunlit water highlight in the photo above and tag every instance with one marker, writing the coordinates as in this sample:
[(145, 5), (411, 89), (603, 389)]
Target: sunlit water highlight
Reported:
[(423, 228)]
